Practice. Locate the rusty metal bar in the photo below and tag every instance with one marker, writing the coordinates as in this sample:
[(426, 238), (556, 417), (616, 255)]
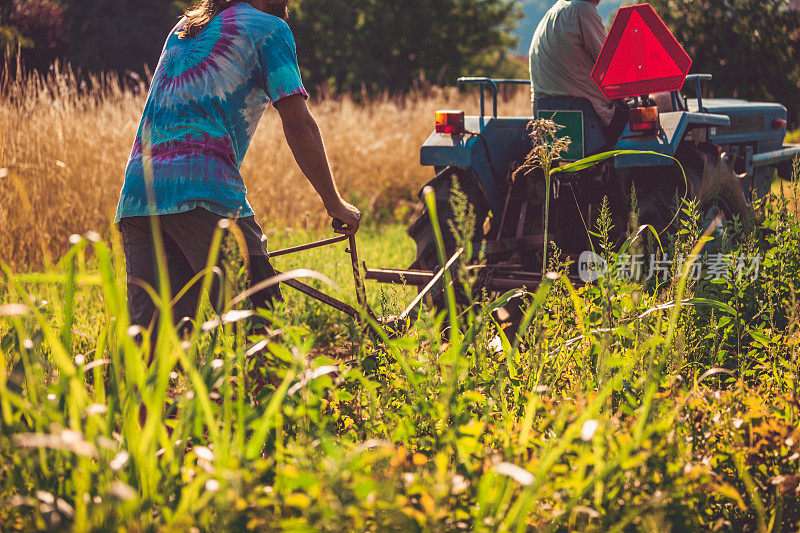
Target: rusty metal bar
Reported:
[(418, 278), (507, 284), (505, 213), (506, 281), (361, 292), (524, 279), (436, 277), (512, 244), (421, 278), (309, 246), (322, 297), (523, 214)]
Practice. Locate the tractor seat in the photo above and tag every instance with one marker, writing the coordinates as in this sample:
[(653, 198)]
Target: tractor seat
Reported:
[(593, 140)]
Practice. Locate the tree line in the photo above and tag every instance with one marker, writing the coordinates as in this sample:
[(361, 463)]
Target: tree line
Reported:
[(348, 46), (750, 46)]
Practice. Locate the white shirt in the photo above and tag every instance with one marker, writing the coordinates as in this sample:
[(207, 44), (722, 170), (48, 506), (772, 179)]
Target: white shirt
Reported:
[(563, 52)]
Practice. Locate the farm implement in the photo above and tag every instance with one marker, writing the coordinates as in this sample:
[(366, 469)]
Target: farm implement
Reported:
[(718, 153)]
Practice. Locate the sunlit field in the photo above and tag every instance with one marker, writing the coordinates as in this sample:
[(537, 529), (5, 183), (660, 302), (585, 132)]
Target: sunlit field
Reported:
[(666, 404), (64, 149)]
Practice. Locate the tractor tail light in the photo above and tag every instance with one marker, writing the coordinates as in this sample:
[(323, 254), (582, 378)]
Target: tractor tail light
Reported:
[(644, 119), (450, 122), (778, 123)]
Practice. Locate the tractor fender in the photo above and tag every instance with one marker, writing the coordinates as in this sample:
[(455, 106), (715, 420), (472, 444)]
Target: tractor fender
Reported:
[(674, 126), (488, 148), (466, 177)]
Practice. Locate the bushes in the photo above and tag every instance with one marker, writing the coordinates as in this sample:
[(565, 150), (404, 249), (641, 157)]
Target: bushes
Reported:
[(37, 27)]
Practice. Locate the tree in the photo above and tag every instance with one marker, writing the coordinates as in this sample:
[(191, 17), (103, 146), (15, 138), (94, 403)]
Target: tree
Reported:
[(37, 27), (749, 46), (389, 45), (343, 45), (118, 34)]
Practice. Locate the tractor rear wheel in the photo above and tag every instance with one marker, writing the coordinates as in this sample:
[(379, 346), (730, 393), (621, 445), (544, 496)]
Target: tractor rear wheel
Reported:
[(713, 185), (421, 229), (720, 193)]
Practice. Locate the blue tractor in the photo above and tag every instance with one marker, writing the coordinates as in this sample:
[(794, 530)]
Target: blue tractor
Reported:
[(719, 153), (731, 150)]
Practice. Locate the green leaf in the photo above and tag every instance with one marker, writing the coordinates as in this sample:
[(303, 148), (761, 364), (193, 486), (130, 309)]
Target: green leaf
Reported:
[(759, 337), (707, 302)]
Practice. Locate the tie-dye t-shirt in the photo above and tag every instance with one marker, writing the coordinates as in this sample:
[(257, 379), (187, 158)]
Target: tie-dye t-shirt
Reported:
[(206, 99)]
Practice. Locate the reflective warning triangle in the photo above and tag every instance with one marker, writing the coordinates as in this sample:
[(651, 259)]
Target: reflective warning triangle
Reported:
[(640, 56)]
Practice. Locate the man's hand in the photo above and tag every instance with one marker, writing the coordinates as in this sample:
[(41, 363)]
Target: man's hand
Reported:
[(349, 215), (305, 140)]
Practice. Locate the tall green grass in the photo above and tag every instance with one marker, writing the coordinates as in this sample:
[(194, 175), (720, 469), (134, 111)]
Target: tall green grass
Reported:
[(622, 405)]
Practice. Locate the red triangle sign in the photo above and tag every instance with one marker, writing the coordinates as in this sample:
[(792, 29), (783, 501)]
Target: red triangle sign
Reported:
[(640, 56)]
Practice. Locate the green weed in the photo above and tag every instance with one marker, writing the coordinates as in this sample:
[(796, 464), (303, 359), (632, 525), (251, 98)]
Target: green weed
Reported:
[(618, 406)]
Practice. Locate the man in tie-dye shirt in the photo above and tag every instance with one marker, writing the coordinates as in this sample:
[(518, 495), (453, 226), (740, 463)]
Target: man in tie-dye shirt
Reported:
[(220, 67)]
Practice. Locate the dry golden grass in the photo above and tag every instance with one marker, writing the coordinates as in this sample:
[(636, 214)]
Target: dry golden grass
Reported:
[(65, 150)]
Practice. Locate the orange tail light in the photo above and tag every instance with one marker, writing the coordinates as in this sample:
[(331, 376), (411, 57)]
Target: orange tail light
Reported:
[(644, 119), (450, 122)]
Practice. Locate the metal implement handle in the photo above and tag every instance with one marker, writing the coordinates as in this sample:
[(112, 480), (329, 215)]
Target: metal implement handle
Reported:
[(309, 246), (358, 277), (361, 293), (493, 83)]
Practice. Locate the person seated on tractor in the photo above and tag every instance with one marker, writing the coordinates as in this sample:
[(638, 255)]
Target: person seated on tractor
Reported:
[(563, 52)]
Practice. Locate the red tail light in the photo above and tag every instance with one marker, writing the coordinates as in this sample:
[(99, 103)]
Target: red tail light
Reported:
[(644, 119), (450, 122), (778, 123)]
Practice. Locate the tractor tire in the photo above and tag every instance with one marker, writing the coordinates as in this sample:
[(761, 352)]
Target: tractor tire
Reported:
[(657, 190), (720, 192), (421, 229), (713, 185)]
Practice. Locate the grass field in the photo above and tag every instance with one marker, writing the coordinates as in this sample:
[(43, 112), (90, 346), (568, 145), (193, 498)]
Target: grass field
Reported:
[(65, 152), (660, 405), (617, 409)]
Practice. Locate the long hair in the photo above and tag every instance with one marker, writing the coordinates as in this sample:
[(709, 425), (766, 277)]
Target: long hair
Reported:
[(199, 15)]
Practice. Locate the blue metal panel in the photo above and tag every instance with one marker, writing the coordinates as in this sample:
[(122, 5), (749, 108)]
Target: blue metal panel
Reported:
[(666, 141), (751, 122)]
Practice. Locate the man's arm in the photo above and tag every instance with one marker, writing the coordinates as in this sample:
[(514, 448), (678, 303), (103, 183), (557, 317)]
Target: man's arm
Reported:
[(305, 140)]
